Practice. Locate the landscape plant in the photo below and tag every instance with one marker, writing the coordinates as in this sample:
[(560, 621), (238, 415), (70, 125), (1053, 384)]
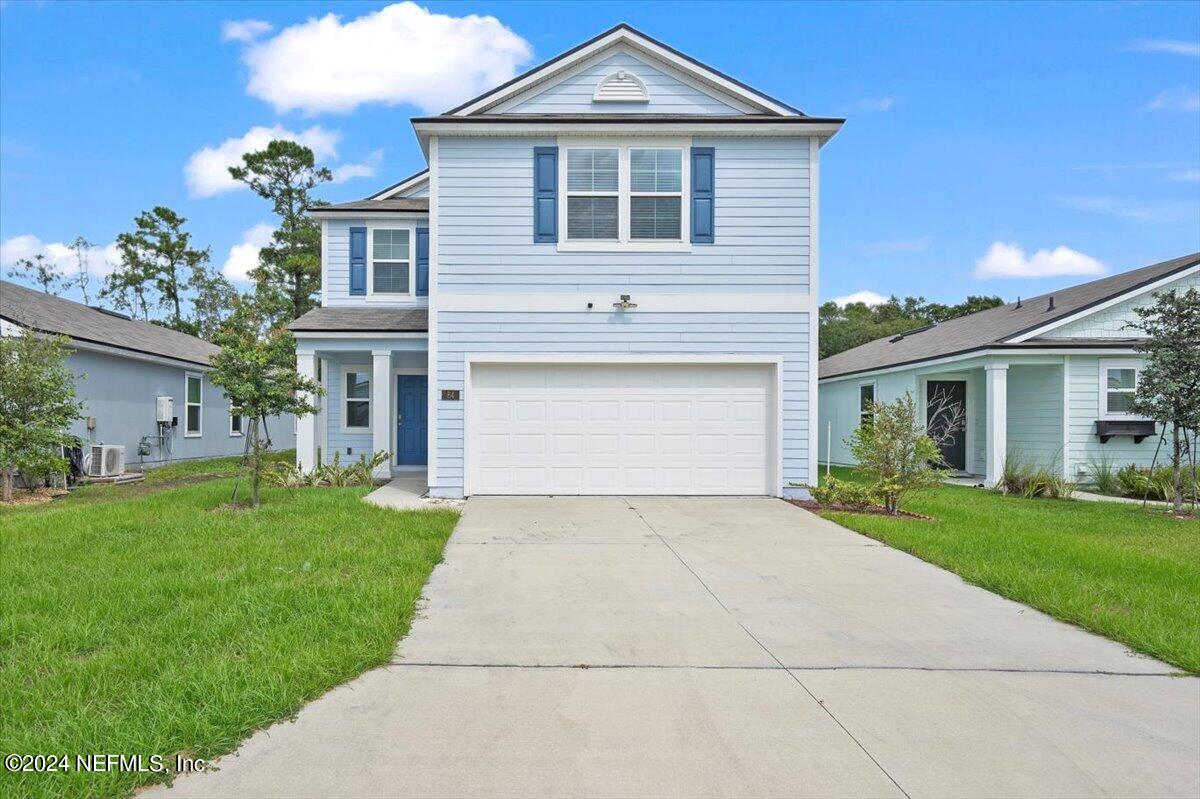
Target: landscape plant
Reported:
[(37, 405), (1168, 389), (895, 452), (257, 370), (1032, 480)]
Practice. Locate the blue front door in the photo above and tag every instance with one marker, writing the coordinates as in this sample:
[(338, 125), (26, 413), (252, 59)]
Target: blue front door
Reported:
[(412, 420)]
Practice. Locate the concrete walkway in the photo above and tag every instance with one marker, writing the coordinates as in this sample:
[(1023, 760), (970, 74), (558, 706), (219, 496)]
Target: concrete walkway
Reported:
[(690, 647)]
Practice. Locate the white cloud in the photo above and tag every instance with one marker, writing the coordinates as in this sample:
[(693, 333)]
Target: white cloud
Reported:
[(366, 169), (100, 260), (244, 30), (244, 256), (207, 170), (898, 245), (866, 297), (402, 53), (871, 104), (1173, 46), (1009, 260), (1181, 99)]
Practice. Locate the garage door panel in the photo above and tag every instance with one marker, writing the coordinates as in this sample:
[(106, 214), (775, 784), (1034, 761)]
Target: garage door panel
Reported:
[(597, 429)]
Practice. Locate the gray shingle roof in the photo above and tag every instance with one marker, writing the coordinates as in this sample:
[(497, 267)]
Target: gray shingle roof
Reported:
[(409, 204), (995, 325), (363, 320), (45, 312)]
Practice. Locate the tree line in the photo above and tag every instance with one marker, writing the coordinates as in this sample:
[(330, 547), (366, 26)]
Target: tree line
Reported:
[(164, 277), (846, 327)]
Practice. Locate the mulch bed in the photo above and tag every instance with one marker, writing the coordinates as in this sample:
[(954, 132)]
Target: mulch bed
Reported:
[(873, 510), (23, 496)]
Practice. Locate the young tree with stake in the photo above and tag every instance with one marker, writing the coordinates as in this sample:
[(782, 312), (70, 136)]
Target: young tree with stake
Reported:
[(257, 371)]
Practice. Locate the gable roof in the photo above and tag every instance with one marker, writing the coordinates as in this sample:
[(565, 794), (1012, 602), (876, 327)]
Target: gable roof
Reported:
[(1005, 325), (624, 34), (401, 187), (50, 314)]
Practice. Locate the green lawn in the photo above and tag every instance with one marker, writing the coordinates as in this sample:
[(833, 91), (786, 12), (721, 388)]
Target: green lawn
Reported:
[(1109, 567), (156, 623)]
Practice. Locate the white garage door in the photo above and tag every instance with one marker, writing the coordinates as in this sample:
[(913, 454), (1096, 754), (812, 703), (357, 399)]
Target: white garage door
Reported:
[(620, 429)]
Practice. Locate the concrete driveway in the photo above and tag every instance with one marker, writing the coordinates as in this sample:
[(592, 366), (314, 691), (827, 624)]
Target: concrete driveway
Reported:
[(724, 647)]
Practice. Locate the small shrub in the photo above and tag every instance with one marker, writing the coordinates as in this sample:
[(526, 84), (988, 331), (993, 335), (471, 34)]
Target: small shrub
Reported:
[(361, 472), (1104, 476), (289, 475), (843, 492), (1034, 481), (1139, 481), (894, 452)]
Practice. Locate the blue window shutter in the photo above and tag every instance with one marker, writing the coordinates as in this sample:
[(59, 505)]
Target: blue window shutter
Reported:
[(422, 262), (358, 260), (702, 195), (545, 194)]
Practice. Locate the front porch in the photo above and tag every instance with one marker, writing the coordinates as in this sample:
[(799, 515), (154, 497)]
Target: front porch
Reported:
[(376, 399)]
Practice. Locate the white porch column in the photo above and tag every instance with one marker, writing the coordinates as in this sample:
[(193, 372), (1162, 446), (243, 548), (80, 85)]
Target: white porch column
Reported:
[(996, 385), (382, 419), (306, 426)]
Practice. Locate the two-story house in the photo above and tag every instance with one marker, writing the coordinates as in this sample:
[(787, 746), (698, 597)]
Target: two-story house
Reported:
[(605, 282)]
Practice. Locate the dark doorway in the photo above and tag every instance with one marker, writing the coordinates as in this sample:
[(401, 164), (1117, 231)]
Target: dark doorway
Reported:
[(945, 399)]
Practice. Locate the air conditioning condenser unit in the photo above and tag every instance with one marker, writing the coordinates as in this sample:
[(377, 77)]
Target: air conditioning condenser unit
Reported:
[(108, 460)]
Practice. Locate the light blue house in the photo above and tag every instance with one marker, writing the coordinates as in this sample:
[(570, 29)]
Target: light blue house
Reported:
[(605, 282), (143, 387), (1047, 380)]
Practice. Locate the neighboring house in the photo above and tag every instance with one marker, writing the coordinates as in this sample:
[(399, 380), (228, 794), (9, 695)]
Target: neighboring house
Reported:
[(123, 366), (605, 283), (1048, 379)]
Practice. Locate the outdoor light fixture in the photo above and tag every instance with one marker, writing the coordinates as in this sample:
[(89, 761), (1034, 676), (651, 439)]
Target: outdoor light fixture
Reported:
[(624, 304)]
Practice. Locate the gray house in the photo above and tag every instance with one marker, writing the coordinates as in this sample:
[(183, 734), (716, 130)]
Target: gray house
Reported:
[(143, 387), (1048, 379)]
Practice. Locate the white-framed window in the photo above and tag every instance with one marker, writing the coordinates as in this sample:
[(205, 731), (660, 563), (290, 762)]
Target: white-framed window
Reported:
[(866, 402), (593, 194), (356, 398), (656, 193), (624, 196), (237, 422), (391, 261), (193, 404), (1118, 383)]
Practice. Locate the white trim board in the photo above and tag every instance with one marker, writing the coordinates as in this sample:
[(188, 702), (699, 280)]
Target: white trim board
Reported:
[(1013, 355), (602, 301), (404, 186)]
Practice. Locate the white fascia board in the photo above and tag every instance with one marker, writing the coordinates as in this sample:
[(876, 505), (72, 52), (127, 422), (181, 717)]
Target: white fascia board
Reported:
[(1011, 354), (732, 127), (302, 335), (1086, 312), (627, 37), (602, 302), (415, 182), (395, 216)]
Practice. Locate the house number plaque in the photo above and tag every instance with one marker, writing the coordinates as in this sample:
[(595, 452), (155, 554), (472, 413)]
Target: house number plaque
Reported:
[(451, 394)]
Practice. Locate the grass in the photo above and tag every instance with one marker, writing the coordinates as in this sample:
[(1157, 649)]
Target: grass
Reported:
[(157, 623), (1109, 567)]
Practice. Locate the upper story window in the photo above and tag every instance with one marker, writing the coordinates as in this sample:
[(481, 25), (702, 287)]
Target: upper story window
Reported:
[(1118, 384), (593, 194), (193, 399), (628, 196), (391, 261), (656, 194)]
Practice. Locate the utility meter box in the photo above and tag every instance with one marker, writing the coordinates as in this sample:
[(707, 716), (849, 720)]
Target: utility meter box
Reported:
[(166, 409)]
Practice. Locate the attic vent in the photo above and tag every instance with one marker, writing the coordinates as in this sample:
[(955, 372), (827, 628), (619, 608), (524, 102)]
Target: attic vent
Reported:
[(914, 331), (621, 87)]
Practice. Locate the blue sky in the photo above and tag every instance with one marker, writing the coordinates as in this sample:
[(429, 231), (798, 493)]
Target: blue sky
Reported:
[(1038, 144)]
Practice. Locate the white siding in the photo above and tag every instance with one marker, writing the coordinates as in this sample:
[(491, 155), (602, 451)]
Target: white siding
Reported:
[(668, 94)]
